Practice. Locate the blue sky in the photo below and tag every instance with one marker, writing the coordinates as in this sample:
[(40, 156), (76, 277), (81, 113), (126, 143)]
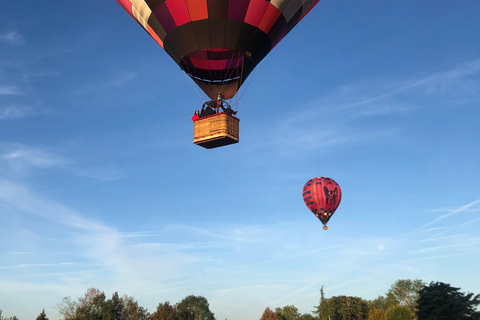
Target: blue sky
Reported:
[(101, 185)]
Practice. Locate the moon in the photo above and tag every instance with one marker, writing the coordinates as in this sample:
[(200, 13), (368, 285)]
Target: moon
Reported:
[(381, 247)]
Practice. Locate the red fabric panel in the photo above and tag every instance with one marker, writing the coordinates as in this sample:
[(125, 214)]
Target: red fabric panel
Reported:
[(255, 12), (164, 17), (271, 15), (237, 9), (209, 64), (178, 10), (197, 9)]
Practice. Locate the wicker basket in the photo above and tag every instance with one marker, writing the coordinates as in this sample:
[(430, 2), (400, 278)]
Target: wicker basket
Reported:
[(216, 130)]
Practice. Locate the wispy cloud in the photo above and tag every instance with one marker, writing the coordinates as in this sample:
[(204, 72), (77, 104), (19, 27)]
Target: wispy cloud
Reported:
[(10, 90), (21, 156), (19, 111), (12, 37)]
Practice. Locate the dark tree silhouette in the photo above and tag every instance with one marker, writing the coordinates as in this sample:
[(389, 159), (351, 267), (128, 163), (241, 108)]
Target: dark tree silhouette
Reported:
[(441, 301)]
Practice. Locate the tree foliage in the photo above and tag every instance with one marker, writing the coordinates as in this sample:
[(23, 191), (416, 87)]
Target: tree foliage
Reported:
[(268, 314), (94, 306), (195, 308), (42, 316), (441, 301), (376, 314), (4, 318), (287, 313), (342, 308), (165, 311), (405, 293), (398, 312)]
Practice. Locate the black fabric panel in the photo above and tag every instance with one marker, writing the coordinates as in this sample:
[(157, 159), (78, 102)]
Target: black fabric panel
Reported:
[(189, 36), (217, 36), (259, 46), (293, 22), (233, 30), (217, 9), (217, 32), (202, 31), (175, 43), (277, 29), (157, 27), (154, 3)]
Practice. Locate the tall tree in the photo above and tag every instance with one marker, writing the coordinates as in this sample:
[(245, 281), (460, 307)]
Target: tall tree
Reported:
[(132, 311), (165, 311), (343, 308), (287, 313), (196, 306), (405, 292), (42, 316), (268, 314), (441, 301)]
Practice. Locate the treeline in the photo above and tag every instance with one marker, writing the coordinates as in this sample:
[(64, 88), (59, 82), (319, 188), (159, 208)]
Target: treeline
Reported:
[(405, 300)]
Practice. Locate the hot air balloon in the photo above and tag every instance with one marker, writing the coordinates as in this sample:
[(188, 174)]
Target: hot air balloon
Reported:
[(218, 43), (322, 196)]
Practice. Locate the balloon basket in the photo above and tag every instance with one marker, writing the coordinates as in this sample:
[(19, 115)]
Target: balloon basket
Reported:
[(215, 131), (325, 228)]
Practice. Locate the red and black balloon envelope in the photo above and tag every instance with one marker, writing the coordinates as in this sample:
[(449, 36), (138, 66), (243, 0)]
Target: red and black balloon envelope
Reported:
[(218, 43), (322, 196)]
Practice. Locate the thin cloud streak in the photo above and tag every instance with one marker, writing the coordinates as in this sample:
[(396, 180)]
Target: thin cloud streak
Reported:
[(451, 213)]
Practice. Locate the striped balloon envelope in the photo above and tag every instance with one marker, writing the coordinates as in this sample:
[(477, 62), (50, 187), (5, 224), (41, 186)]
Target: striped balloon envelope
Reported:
[(322, 196), (218, 43)]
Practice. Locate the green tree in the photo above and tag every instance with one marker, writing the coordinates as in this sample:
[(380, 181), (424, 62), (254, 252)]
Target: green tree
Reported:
[(376, 314), (287, 313), (342, 308), (42, 316), (399, 312), (378, 303), (195, 308), (268, 314), (441, 301), (306, 316), (165, 311), (94, 306), (405, 292)]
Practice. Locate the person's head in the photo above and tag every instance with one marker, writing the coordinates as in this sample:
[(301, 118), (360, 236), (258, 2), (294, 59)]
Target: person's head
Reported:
[(197, 112)]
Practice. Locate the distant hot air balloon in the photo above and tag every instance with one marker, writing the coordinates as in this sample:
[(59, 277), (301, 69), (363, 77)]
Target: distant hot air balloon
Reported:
[(322, 196), (218, 42)]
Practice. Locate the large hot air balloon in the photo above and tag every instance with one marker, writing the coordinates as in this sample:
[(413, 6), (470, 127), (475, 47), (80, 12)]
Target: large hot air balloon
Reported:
[(322, 196), (218, 42)]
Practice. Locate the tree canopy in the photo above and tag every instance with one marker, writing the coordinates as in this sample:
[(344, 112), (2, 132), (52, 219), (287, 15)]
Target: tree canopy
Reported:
[(441, 301)]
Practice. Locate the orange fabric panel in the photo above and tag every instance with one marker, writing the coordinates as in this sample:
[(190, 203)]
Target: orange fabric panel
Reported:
[(154, 36), (197, 9), (271, 15)]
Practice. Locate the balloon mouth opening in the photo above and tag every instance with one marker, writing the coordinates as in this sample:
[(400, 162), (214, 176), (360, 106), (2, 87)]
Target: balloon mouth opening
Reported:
[(325, 228)]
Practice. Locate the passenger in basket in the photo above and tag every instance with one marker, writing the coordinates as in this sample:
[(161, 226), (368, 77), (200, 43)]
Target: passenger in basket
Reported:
[(196, 115), (228, 110), (208, 111)]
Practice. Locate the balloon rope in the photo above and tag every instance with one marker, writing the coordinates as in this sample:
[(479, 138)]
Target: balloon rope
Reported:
[(190, 80), (245, 90)]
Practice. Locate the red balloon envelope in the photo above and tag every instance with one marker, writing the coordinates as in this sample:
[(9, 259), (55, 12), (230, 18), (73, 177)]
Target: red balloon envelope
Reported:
[(322, 196)]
